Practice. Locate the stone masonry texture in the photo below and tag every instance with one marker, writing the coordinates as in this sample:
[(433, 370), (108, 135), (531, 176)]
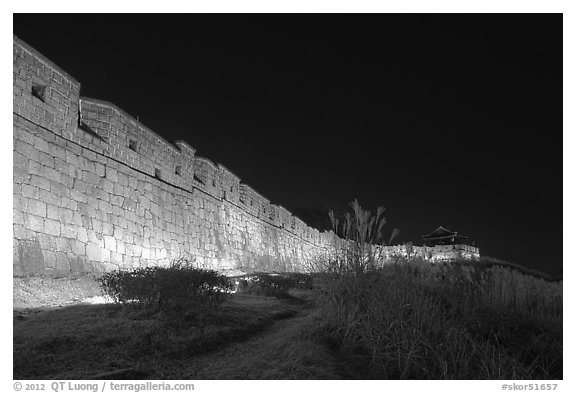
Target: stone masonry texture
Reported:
[(95, 190)]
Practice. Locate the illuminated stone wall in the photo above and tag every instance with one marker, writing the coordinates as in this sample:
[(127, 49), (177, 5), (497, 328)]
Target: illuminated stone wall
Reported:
[(433, 254), (95, 190)]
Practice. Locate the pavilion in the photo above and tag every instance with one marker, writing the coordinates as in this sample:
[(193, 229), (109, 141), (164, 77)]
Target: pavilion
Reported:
[(443, 237)]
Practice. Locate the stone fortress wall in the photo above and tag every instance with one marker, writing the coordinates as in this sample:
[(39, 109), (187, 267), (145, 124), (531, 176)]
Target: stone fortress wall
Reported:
[(96, 190), (439, 253)]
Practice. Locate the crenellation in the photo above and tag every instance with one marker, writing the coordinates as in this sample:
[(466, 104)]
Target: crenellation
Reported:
[(248, 199), (273, 213), (230, 184), (284, 217), (207, 174)]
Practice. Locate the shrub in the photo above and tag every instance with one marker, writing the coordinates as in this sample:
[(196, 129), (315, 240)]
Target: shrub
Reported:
[(178, 287), (276, 285)]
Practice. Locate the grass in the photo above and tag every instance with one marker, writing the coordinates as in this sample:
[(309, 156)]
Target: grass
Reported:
[(81, 341), (291, 349), (418, 320), (393, 324), (400, 321)]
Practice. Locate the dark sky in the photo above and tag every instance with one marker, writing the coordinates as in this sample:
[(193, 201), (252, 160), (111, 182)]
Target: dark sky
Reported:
[(452, 120)]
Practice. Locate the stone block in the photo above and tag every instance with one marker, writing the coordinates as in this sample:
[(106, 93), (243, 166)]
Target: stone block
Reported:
[(107, 229), (110, 243), (57, 151), (128, 237), (78, 190), (52, 174), (40, 182), (49, 198), (30, 191), (86, 221), (68, 230), (122, 179), (20, 162), (63, 245), (100, 169), (127, 261), (93, 251), (47, 241), (67, 181), (115, 201), (95, 237), (100, 215), (49, 259), (35, 168), (87, 165), (29, 256), (95, 224), (103, 195), (137, 251), (104, 255), (118, 189), (27, 150), (128, 248), (46, 159), (72, 159), (132, 183), (111, 174), (80, 264), (59, 189), (64, 168), (17, 216), (120, 248), (19, 231), (82, 234), (34, 223), (115, 258), (78, 248), (104, 206), (19, 202), (131, 216), (62, 261), (23, 135), (107, 186), (52, 227), (69, 203), (66, 215), (118, 232), (91, 178)]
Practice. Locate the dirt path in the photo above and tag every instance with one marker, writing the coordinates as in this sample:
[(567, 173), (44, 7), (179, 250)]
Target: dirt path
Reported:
[(288, 349), (251, 337)]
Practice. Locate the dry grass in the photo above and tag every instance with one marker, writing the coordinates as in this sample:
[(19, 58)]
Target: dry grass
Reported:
[(417, 320), (80, 341), (393, 324)]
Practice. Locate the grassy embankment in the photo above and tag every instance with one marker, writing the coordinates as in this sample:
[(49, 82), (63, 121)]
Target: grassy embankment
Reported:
[(416, 320), (85, 341)]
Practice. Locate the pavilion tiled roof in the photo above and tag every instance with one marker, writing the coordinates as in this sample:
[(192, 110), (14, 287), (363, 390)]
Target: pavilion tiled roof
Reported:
[(441, 233)]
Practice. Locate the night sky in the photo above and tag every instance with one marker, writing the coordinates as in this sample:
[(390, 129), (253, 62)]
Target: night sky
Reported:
[(452, 120)]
